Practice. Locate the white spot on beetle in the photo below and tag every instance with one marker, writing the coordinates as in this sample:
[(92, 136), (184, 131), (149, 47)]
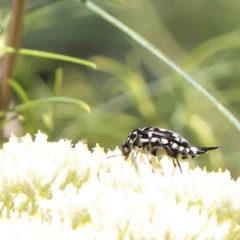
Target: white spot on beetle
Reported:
[(150, 134), (154, 139), (164, 141), (194, 150), (181, 148), (174, 146)]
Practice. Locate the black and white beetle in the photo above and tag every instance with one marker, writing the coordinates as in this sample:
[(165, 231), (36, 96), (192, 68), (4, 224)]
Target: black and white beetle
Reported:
[(158, 141)]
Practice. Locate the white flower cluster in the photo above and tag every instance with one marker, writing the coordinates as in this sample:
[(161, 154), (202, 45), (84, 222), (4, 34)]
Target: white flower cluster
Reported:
[(53, 190)]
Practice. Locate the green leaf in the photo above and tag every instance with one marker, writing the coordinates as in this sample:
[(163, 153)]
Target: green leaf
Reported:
[(19, 90), (36, 53), (38, 102)]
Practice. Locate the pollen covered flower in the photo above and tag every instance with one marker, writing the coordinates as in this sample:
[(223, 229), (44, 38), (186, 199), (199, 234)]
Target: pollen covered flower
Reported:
[(55, 190)]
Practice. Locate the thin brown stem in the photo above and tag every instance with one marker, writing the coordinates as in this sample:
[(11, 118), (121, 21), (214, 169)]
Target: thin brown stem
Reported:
[(9, 60)]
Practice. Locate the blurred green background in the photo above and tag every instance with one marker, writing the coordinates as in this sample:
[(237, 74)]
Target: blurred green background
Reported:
[(131, 88)]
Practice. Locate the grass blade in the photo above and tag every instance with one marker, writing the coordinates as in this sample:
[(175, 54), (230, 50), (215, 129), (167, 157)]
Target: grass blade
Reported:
[(41, 54), (19, 90), (151, 48), (38, 102)]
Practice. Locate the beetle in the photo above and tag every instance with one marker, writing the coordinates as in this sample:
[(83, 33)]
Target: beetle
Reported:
[(158, 141)]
